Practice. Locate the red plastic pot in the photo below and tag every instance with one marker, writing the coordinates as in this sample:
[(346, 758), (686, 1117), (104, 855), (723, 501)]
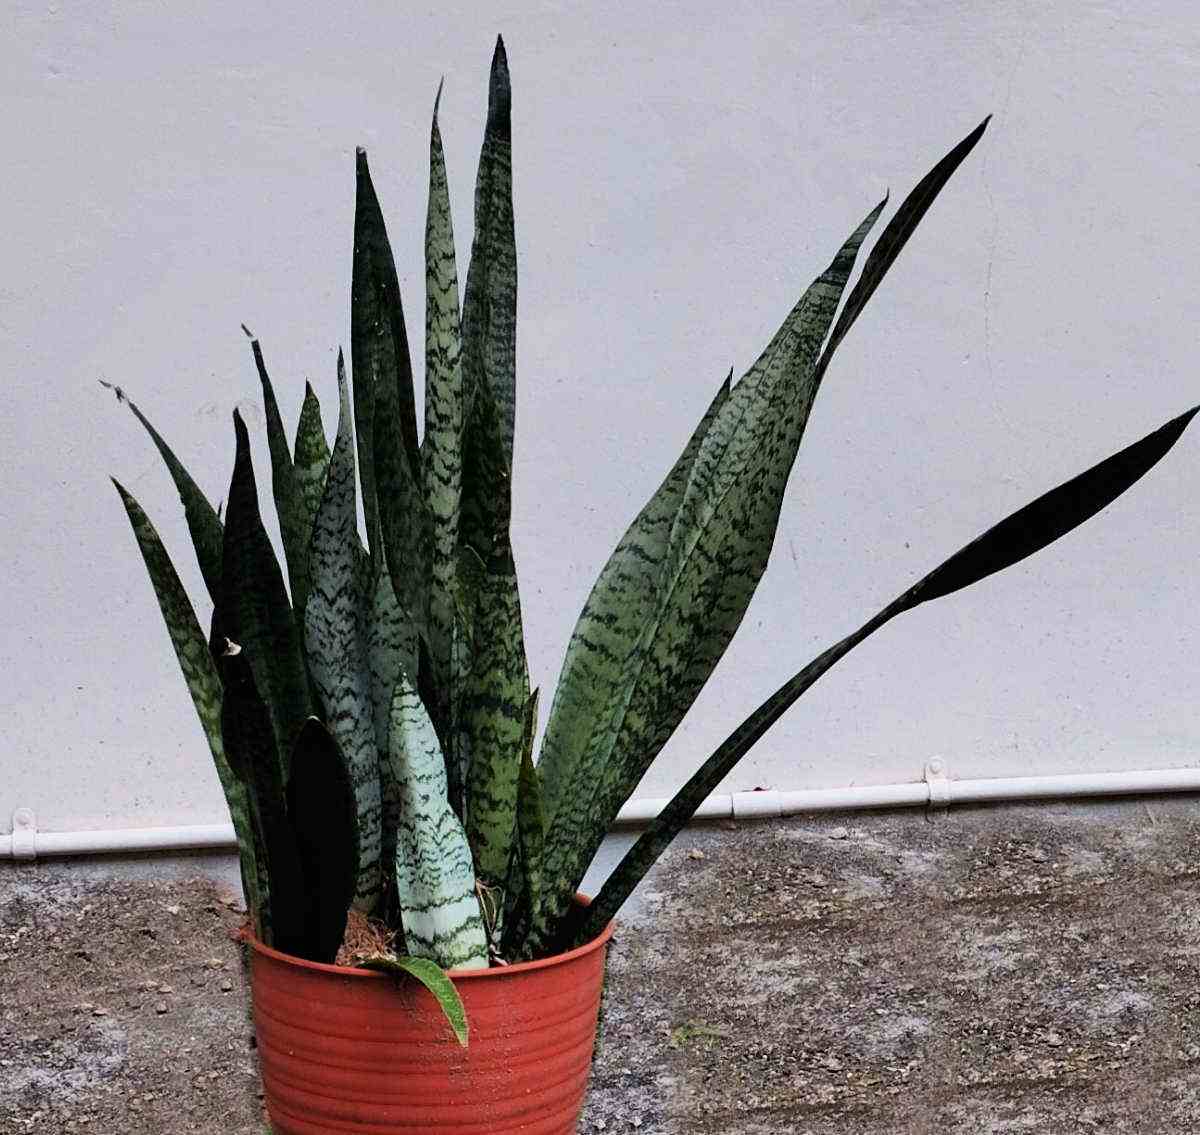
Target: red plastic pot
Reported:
[(353, 1051)]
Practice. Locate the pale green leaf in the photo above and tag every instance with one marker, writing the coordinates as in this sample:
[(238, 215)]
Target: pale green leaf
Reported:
[(435, 876)]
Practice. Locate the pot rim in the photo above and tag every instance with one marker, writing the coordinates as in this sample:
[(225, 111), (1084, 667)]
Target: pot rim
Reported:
[(596, 943)]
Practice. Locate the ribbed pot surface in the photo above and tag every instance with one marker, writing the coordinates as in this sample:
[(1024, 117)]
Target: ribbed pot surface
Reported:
[(348, 1050)]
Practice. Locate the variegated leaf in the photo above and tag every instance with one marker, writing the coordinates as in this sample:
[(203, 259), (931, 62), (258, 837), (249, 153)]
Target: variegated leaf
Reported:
[(311, 463), (336, 641), (498, 694), (489, 341), (1020, 535), (392, 651), (403, 521), (490, 297), (288, 505), (523, 888), (311, 458), (255, 611), (720, 540), (441, 448), (203, 683), (203, 523), (613, 618), (435, 877)]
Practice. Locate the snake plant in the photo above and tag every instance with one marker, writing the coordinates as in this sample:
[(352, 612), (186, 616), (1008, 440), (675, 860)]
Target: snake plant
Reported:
[(371, 715)]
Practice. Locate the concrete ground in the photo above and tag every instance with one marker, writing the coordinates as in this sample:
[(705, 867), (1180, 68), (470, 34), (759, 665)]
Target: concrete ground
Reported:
[(1009, 970)]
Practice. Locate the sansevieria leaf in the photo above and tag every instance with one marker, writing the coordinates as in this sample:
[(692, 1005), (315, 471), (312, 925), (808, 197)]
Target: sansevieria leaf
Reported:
[(391, 651), (490, 298), (435, 877), (250, 747), (311, 463), (203, 682), (1025, 532), (288, 505), (378, 342), (255, 610), (441, 447), (894, 237), (497, 701), (717, 550), (337, 646), (204, 525), (322, 813), (403, 521), (613, 618), (523, 889)]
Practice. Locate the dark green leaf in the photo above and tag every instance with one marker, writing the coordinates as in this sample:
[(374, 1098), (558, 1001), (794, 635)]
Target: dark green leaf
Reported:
[(288, 503), (378, 343), (255, 608), (490, 298), (404, 523), (250, 744), (321, 809), (894, 237), (1044, 520)]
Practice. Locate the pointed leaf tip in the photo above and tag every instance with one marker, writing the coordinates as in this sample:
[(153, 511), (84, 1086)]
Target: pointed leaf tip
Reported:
[(114, 388), (249, 333), (499, 94), (437, 99)]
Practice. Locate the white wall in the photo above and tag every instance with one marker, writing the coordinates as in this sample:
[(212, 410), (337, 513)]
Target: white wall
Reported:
[(682, 171)]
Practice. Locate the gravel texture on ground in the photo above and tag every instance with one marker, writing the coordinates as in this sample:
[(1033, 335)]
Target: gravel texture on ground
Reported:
[(1030, 970)]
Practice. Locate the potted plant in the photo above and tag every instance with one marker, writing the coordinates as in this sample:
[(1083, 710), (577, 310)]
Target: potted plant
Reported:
[(371, 718)]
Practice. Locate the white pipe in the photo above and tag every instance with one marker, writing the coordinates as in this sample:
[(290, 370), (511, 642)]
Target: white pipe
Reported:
[(28, 843)]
